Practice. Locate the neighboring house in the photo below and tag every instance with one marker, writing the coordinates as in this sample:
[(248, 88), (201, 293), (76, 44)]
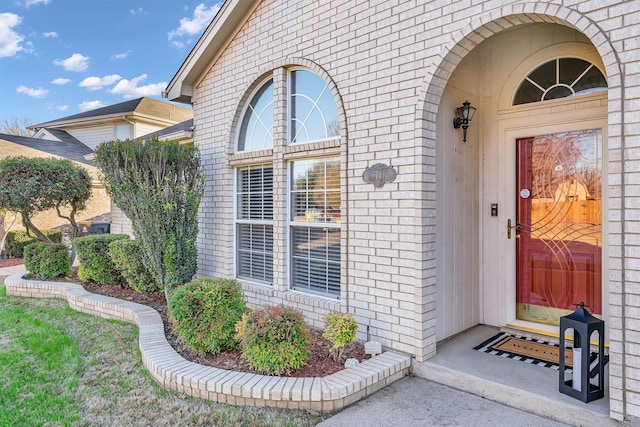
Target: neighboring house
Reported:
[(126, 120), (181, 132), (67, 147), (335, 179)]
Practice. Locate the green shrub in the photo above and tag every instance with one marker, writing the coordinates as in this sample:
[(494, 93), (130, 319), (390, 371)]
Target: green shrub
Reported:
[(95, 262), (31, 260), (158, 185), (47, 260), (340, 329), (275, 340), (16, 241), (205, 312), (127, 258)]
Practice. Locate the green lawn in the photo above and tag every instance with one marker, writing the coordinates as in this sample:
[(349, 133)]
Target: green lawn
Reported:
[(64, 368)]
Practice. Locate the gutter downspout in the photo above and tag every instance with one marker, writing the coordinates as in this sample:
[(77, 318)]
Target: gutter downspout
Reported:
[(133, 126), (623, 258)]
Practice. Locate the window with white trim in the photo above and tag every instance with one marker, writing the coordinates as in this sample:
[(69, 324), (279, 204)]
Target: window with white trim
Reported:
[(314, 192), (315, 225), (123, 131), (313, 111), (560, 78), (254, 223), (256, 130)]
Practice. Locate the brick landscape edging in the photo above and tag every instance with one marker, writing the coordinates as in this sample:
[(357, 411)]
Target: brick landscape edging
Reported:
[(175, 373)]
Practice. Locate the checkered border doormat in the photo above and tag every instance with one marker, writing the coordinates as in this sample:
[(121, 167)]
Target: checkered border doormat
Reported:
[(487, 347)]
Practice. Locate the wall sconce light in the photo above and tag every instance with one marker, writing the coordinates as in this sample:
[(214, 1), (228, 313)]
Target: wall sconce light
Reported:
[(464, 115)]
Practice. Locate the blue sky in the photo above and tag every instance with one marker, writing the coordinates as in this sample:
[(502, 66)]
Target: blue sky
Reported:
[(62, 57)]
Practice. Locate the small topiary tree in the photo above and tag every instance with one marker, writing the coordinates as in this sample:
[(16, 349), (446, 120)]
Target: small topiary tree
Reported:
[(31, 185), (275, 339), (126, 257), (95, 262), (158, 186), (340, 329), (205, 312), (47, 260)]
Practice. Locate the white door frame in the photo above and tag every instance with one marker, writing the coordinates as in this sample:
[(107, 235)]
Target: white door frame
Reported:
[(588, 112)]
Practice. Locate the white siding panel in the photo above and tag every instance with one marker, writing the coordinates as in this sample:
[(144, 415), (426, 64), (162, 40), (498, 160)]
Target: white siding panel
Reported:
[(141, 129), (93, 136)]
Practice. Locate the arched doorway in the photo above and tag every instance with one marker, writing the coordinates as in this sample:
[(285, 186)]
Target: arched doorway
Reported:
[(477, 260), (475, 270)]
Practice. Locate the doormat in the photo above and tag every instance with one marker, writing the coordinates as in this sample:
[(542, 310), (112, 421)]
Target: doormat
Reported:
[(525, 349)]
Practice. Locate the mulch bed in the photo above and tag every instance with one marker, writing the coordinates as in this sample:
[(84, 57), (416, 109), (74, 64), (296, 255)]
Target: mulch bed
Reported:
[(319, 364), (10, 262)]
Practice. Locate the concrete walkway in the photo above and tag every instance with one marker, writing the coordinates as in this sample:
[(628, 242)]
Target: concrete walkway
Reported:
[(9, 271), (417, 402)]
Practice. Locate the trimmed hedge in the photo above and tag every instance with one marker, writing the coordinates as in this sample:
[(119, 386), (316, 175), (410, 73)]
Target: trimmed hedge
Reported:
[(95, 262), (127, 258), (275, 340), (47, 260), (205, 312), (16, 241)]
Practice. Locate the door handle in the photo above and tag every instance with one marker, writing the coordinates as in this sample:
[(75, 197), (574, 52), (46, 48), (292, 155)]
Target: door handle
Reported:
[(511, 227)]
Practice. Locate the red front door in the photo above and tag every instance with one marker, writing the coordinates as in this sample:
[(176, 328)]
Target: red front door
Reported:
[(559, 216)]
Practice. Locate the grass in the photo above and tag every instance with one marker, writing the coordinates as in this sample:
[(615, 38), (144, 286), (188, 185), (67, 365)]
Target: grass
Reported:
[(64, 368)]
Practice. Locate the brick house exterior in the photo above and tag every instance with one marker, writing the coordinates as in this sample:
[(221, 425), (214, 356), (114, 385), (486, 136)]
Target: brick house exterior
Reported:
[(422, 257)]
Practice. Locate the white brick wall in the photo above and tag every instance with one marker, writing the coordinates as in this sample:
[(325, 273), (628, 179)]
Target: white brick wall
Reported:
[(388, 64)]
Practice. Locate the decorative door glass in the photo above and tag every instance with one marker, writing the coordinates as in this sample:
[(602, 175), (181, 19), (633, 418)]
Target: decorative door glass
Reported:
[(559, 208)]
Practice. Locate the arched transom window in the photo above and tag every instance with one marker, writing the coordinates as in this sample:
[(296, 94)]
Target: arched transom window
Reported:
[(313, 111), (560, 78), (256, 130)]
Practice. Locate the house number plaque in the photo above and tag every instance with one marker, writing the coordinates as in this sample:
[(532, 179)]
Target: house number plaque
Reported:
[(379, 174)]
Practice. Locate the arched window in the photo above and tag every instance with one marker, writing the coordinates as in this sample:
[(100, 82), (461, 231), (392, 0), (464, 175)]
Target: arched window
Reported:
[(309, 116), (560, 78), (313, 111), (256, 131)]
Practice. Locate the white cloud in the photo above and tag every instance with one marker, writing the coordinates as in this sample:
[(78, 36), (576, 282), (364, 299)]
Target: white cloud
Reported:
[(29, 3), (9, 39), (121, 55), (202, 16), (97, 83), (60, 81), (130, 89), (138, 11), (62, 107), (34, 93), (90, 105), (50, 34), (75, 62)]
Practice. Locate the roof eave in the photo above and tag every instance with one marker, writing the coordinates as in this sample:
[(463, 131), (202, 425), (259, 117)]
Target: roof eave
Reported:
[(180, 135), (87, 121), (106, 119), (210, 45)]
